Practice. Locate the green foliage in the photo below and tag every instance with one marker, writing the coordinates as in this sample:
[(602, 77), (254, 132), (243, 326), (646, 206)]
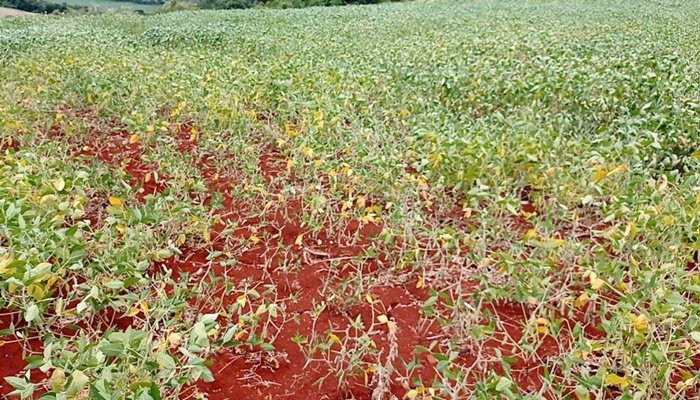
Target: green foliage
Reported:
[(35, 6), (440, 121)]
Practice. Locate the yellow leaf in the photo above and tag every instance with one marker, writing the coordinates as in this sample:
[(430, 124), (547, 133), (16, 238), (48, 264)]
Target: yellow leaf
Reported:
[(35, 291), (300, 237), (542, 325), (696, 154), (640, 322), (600, 174), (669, 219), (5, 260), (613, 379), (597, 283), (369, 298), (144, 306), (391, 325), (582, 300), (135, 138), (383, 319), (254, 239), (530, 234), (552, 243), (175, 339), (289, 128), (412, 394), (619, 168), (181, 239), (12, 125), (420, 282), (49, 282), (241, 300), (697, 199), (334, 337), (58, 307), (467, 212), (58, 184), (193, 134), (115, 201)]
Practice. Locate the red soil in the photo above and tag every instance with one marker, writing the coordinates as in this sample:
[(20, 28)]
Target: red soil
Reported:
[(14, 349), (298, 266)]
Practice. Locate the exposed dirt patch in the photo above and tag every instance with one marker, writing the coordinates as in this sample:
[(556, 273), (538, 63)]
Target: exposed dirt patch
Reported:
[(11, 12), (341, 299), (14, 349)]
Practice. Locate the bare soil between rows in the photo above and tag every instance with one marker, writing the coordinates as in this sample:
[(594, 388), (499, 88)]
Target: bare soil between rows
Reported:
[(331, 255)]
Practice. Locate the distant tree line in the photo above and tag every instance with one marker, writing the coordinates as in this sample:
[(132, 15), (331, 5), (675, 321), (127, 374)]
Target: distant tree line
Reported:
[(241, 4), (38, 6), (150, 2), (48, 7)]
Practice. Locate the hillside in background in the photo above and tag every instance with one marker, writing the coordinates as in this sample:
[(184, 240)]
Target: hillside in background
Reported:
[(34, 6), (10, 12)]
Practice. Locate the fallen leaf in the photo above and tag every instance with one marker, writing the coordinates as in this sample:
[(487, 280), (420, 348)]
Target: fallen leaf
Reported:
[(597, 283), (641, 322), (613, 379), (175, 339)]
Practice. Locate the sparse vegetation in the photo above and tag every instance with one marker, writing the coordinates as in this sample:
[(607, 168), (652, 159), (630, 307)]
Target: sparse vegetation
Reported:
[(419, 200)]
